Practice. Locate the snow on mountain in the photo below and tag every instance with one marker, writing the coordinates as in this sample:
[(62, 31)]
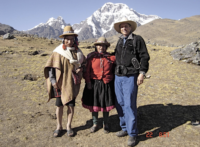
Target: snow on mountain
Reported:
[(102, 20), (100, 23), (51, 29)]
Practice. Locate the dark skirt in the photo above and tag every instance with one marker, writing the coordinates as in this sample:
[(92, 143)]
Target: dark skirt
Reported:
[(100, 98)]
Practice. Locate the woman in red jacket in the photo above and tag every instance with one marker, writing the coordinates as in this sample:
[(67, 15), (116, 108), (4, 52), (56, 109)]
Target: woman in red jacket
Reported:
[(99, 92)]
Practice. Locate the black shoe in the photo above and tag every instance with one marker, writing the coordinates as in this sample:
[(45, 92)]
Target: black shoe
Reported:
[(106, 128), (131, 141), (121, 133)]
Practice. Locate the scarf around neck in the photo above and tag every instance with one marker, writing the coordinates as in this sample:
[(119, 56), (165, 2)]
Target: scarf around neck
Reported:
[(67, 54)]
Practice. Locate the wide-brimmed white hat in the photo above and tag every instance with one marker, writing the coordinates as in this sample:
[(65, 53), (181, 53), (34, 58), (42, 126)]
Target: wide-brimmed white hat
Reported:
[(125, 20), (68, 30), (102, 40)]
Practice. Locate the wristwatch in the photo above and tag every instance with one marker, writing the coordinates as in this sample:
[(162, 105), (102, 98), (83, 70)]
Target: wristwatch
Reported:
[(144, 74)]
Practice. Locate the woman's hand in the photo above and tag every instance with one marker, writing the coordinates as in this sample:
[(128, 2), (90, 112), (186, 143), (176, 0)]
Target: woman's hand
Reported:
[(140, 79), (55, 86), (89, 85), (79, 70)]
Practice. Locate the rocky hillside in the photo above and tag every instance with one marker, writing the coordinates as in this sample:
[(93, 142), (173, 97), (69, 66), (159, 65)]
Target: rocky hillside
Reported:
[(6, 29), (171, 32)]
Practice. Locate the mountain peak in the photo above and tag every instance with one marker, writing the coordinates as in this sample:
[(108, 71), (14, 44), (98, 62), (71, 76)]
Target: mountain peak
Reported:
[(100, 23), (52, 25), (59, 17), (51, 19), (113, 7), (103, 19), (114, 4)]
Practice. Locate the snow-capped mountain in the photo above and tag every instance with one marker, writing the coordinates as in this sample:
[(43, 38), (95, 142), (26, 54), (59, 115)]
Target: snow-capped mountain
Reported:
[(101, 22), (51, 29)]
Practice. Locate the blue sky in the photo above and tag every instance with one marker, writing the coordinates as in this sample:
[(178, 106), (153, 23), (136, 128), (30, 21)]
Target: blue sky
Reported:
[(25, 14)]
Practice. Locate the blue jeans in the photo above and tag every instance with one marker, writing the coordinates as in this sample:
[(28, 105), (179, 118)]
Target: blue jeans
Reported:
[(126, 104)]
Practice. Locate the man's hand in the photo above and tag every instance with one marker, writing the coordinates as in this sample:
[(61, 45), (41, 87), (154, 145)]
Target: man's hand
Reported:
[(89, 85), (55, 86), (140, 79)]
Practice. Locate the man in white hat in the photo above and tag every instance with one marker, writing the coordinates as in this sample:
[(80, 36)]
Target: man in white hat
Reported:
[(131, 65)]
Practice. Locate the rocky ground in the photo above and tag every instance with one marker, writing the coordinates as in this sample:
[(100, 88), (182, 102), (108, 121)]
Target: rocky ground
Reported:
[(167, 101)]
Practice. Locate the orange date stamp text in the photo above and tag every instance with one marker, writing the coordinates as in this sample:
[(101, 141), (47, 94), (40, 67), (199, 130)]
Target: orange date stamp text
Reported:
[(161, 134)]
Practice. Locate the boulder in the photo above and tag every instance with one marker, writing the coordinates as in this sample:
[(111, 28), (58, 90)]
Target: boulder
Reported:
[(196, 59), (33, 52), (31, 77), (189, 54), (8, 36)]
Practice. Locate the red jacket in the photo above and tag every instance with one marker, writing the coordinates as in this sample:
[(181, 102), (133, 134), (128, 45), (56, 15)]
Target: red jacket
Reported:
[(100, 67)]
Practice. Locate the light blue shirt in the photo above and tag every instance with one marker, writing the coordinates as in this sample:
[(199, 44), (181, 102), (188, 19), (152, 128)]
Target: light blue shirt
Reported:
[(124, 39)]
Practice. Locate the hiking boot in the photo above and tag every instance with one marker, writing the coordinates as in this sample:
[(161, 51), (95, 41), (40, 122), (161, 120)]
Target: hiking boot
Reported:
[(121, 133), (131, 141)]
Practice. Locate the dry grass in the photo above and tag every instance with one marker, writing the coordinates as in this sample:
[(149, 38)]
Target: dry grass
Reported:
[(171, 32), (167, 102)]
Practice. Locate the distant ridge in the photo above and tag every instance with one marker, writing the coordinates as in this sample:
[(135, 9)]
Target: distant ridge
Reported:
[(6, 29), (171, 32)]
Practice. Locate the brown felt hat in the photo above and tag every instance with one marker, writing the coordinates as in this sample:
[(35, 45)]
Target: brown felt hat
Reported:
[(125, 20), (102, 40), (68, 30)]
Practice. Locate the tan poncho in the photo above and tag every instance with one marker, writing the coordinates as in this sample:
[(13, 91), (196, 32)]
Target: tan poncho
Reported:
[(63, 69)]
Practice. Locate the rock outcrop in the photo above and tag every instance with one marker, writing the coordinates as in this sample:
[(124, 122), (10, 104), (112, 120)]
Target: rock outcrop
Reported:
[(8, 36), (190, 53)]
